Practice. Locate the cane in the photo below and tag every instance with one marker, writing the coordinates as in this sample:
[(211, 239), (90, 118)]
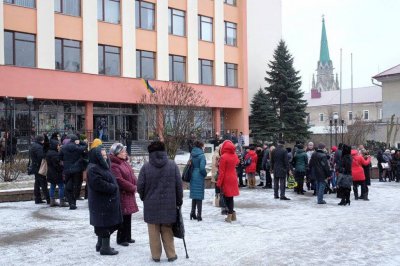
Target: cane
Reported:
[(184, 243)]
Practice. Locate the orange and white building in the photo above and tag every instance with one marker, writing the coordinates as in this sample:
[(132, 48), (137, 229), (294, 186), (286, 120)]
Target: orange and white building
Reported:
[(78, 64)]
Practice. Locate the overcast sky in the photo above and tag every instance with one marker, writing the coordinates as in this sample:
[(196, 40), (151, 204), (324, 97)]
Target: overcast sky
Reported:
[(370, 29)]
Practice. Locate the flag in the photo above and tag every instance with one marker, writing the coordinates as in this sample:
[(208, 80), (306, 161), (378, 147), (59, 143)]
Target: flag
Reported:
[(148, 87)]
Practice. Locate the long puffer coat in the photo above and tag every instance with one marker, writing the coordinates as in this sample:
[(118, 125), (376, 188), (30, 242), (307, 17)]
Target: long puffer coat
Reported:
[(357, 169), (54, 167), (160, 189), (104, 201), (127, 183), (227, 177), (198, 174)]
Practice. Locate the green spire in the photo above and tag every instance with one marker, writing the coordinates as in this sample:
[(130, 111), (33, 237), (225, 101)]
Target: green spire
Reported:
[(324, 53)]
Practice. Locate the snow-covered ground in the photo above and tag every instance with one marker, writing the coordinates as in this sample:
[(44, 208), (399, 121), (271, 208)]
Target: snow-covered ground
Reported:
[(268, 232)]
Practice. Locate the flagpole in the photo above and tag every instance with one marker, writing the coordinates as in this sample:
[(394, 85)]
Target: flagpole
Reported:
[(340, 102), (351, 86)]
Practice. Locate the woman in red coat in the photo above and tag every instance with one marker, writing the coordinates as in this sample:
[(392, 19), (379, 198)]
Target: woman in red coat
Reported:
[(127, 182), (227, 177), (251, 168), (357, 172)]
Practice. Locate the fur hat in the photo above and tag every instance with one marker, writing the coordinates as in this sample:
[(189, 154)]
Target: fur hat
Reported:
[(156, 146), (116, 148), (72, 137), (39, 138), (321, 146)]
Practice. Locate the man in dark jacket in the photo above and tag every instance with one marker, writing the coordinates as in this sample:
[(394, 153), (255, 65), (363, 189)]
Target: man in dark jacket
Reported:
[(160, 189), (72, 155), (37, 155), (280, 167), (266, 166), (319, 167)]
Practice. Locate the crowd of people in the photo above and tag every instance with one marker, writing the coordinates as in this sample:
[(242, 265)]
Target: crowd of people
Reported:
[(112, 184)]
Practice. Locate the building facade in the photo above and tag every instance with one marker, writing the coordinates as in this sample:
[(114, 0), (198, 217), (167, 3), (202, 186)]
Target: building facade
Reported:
[(78, 65)]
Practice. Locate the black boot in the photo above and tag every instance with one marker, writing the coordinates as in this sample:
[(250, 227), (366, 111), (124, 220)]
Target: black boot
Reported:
[(347, 198), (105, 247), (199, 209), (261, 184), (193, 211), (342, 202), (365, 196), (355, 193), (98, 245)]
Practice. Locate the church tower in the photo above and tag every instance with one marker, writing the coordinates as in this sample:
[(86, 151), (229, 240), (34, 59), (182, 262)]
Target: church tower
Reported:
[(325, 78)]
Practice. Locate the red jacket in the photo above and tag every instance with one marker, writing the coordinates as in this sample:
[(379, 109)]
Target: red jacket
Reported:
[(227, 176), (357, 170), (253, 166), (127, 182)]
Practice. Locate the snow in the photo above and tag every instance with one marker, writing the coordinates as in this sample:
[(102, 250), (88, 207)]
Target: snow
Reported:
[(267, 232)]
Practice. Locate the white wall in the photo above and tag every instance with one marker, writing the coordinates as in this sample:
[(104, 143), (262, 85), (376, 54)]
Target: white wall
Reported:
[(219, 39), (162, 41), (192, 42), (1, 33), (45, 35), (128, 39), (90, 37), (264, 31)]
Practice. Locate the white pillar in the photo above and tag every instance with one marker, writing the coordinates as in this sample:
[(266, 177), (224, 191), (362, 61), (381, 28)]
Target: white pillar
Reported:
[(162, 41), (219, 29), (45, 35), (192, 41), (90, 63), (128, 39), (1, 34)]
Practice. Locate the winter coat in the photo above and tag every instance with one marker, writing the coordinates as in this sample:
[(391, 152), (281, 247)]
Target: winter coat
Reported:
[(300, 161), (319, 166), (54, 167), (253, 166), (214, 164), (265, 160), (280, 162), (198, 174), (127, 183), (357, 165), (37, 154), (72, 156), (338, 160), (260, 154), (387, 158), (160, 189), (103, 193), (227, 178), (367, 172)]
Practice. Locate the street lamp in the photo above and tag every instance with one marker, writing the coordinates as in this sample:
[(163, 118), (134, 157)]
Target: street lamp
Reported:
[(330, 131), (29, 99), (342, 129), (335, 120)]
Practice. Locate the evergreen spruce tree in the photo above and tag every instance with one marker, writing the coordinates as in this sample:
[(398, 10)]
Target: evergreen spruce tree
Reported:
[(285, 95), (263, 120)]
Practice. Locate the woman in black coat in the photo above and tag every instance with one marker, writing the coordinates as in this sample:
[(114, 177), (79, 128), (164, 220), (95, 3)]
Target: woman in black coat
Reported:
[(104, 200), (54, 173), (345, 172)]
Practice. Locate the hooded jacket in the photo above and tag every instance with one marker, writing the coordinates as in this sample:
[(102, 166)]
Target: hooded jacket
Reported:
[(198, 174), (253, 165), (103, 193), (160, 189), (127, 182), (227, 177), (357, 169), (54, 167)]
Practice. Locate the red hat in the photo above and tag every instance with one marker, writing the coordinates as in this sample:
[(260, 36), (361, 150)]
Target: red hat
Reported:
[(334, 148)]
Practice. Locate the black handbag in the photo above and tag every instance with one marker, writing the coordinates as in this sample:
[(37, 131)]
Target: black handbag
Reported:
[(178, 227)]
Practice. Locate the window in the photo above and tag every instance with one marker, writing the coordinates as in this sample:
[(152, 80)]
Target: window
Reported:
[(68, 7), (321, 117), (176, 22), (350, 115), (231, 75), (108, 10), (230, 2), (20, 49), (144, 15), (366, 115), (68, 55), (25, 3), (205, 28), (230, 33), (145, 64), (177, 68), (109, 60), (206, 72)]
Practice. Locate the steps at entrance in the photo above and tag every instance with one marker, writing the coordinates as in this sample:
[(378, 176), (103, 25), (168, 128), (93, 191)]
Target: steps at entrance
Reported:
[(138, 148)]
